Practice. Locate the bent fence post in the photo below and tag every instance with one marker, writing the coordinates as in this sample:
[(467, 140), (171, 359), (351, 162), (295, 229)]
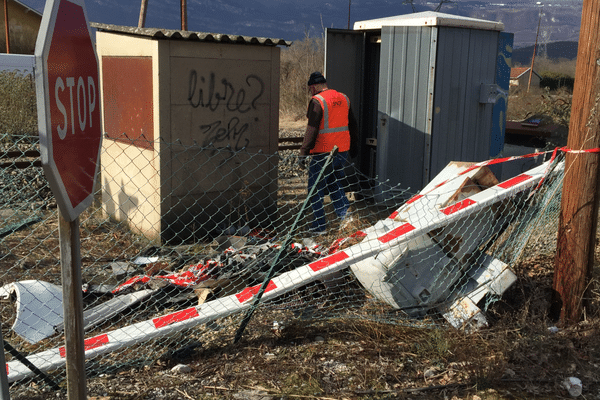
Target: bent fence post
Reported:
[(284, 246)]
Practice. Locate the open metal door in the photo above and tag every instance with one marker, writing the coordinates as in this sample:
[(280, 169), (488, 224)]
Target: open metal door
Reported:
[(344, 63), (344, 70)]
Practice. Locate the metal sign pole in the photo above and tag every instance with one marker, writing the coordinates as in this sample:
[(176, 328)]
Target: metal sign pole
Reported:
[(64, 52), (70, 260)]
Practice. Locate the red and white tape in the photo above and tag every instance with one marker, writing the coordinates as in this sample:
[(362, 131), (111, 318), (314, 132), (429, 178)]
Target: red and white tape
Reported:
[(402, 227)]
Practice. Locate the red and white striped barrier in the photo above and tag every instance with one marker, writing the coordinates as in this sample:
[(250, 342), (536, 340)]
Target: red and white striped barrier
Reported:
[(400, 227)]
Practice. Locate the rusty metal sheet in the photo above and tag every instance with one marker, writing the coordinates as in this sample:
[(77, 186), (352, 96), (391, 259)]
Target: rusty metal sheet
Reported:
[(127, 85)]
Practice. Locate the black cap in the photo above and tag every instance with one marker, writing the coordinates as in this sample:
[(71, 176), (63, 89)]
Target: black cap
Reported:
[(315, 78)]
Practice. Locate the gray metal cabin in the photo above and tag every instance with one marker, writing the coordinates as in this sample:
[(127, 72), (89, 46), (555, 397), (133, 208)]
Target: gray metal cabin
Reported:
[(428, 88)]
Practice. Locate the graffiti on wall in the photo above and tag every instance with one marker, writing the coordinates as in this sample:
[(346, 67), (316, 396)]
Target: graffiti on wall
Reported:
[(215, 95)]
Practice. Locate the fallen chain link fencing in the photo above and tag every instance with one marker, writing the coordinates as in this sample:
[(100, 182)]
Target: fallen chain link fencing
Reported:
[(183, 242)]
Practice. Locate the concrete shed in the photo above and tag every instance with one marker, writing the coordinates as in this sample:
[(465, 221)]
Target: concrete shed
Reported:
[(182, 112), (23, 25)]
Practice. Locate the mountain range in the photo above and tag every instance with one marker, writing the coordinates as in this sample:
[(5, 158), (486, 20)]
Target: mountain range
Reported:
[(553, 50), (292, 20)]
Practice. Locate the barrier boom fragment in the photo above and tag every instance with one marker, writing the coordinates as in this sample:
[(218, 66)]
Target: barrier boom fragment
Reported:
[(390, 233)]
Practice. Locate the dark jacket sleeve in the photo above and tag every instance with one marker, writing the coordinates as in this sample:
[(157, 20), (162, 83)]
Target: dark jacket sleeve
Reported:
[(314, 115)]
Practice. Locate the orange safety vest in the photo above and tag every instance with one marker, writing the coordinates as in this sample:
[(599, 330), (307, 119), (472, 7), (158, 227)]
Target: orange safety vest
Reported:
[(333, 129)]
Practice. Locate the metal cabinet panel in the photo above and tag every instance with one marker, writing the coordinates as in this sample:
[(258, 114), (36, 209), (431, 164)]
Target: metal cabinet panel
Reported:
[(433, 95), (466, 59), (344, 63), (404, 105)]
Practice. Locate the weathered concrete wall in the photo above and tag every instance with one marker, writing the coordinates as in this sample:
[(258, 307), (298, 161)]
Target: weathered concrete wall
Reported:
[(209, 106), (130, 172)]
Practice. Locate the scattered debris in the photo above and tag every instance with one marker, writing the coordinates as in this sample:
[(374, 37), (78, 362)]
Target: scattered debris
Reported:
[(181, 369), (445, 262), (39, 308), (18, 225), (573, 386), (110, 308), (426, 237)]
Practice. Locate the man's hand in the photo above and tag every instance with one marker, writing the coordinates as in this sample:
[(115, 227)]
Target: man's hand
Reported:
[(302, 162)]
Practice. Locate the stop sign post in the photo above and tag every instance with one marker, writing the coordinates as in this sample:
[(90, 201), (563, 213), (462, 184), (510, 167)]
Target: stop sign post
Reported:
[(68, 102)]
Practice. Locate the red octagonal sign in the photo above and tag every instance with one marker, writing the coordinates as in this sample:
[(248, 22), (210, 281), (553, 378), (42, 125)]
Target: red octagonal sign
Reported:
[(68, 101)]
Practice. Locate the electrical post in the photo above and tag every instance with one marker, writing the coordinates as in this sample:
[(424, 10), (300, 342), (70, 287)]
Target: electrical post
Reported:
[(143, 9), (534, 50), (7, 32), (184, 21), (579, 208)]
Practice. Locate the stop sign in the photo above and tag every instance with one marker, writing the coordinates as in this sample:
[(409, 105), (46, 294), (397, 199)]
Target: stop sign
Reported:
[(68, 102)]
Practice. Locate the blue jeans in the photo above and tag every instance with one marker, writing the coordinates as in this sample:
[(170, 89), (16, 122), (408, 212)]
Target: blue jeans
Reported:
[(331, 180)]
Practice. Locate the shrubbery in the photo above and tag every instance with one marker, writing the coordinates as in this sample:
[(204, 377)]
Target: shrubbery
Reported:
[(555, 74), (556, 80), (18, 113), (297, 63)]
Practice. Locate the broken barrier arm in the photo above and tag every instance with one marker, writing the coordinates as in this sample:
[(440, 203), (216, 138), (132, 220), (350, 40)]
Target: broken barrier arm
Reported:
[(396, 232), (284, 246)]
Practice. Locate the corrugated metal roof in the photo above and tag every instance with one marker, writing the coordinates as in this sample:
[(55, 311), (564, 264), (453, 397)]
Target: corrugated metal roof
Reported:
[(517, 72), (168, 34), (33, 10), (429, 18)]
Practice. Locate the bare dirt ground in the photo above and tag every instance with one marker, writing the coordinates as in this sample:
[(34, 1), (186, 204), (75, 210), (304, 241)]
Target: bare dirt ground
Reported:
[(522, 355), (518, 357)]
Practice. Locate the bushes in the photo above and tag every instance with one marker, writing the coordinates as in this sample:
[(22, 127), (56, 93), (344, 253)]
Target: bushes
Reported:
[(297, 63), (555, 73), (18, 113), (556, 80)]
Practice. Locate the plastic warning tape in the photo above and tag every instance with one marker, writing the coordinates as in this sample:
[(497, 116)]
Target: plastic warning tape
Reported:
[(513, 158), (413, 211), (531, 155), (397, 231), (567, 150)]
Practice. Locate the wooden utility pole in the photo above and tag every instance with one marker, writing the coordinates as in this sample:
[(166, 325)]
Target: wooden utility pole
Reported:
[(579, 209), (143, 8), (349, 7), (184, 25), (6, 26)]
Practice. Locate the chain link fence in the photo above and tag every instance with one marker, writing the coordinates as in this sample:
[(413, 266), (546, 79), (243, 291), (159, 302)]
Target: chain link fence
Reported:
[(188, 246)]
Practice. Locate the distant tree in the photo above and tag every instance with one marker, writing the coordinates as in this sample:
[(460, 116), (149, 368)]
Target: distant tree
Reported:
[(297, 63)]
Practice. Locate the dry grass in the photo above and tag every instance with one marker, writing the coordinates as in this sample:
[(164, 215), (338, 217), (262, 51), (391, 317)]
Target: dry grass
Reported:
[(297, 63), (18, 113), (554, 107)]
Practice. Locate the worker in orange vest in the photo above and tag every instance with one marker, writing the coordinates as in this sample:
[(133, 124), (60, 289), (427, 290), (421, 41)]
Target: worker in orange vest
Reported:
[(331, 122)]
